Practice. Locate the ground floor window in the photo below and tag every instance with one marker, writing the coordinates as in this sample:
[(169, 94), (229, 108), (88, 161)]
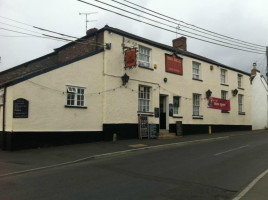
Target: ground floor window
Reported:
[(75, 96), (240, 103), (196, 104), (176, 105), (144, 98)]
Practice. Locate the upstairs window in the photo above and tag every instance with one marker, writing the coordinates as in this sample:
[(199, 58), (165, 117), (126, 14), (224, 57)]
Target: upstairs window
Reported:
[(144, 99), (75, 96), (239, 80), (196, 71), (176, 105), (223, 76), (144, 56)]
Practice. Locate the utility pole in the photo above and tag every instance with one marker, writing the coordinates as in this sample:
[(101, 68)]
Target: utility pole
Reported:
[(86, 14), (267, 63)]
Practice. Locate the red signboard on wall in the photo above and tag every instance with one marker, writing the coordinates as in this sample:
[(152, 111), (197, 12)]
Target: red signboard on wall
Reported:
[(130, 57), (220, 104), (174, 64)]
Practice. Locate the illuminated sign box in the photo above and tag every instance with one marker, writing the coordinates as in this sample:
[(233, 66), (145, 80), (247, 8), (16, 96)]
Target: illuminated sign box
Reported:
[(220, 104)]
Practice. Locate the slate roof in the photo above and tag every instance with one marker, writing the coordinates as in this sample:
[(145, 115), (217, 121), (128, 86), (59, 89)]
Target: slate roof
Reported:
[(114, 30)]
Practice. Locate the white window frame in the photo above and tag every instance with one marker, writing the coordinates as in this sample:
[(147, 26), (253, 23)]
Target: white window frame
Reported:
[(144, 99), (223, 76), (75, 96), (240, 103), (196, 104), (196, 68), (224, 94), (176, 108), (240, 80), (144, 56)]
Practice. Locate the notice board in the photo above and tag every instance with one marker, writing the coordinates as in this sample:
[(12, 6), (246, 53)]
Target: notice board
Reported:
[(143, 127)]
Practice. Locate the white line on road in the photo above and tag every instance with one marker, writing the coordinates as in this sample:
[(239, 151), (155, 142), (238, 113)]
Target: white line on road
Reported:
[(217, 154), (251, 185)]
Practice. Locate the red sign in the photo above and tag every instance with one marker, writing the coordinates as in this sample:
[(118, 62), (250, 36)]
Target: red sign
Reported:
[(130, 57), (174, 64), (220, 104)]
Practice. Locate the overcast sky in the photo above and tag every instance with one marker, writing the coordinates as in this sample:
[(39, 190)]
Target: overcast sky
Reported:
[(242, 19)]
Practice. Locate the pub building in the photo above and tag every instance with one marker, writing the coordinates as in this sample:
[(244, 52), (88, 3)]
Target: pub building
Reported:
[(119, 83)]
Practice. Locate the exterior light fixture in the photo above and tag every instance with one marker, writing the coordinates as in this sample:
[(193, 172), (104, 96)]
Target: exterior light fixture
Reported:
[(125, 79), (234, 92), (208, 93)]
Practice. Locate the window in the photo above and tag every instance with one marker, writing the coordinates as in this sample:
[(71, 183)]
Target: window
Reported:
[(196, 70), (176, 105), (75, 96), (223, 76), (240, 103), (144, 99), (196, 104), (239, 79), (224, 94), (144, 56)]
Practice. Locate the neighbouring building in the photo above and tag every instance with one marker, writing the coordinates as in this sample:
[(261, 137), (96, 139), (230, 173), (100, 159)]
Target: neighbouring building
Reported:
[(259, 102), (100, 85)]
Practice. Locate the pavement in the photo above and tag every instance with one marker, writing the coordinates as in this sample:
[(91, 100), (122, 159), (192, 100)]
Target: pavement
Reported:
[(25, 161)]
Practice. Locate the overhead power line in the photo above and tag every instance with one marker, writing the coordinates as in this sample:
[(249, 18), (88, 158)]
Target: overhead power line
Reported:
[(46, 30), (194, 29), (250, 48), (190, 24), (168, 29)]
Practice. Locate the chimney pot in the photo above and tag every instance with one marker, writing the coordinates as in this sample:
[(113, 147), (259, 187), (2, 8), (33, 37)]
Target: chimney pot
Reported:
[(180, 43), (254, 70)]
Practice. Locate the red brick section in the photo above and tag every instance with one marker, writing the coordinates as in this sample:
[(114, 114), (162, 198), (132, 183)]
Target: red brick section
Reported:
[(180, 43), (75, 50)]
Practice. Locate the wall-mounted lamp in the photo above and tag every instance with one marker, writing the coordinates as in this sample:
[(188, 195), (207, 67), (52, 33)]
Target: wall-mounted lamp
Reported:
[(208, 93), (234, 92), (211, 67), (125, 79)]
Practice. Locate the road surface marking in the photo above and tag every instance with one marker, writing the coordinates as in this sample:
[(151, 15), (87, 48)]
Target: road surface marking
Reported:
[(113, 154), (137, 145), (251, 185), (217, 154)]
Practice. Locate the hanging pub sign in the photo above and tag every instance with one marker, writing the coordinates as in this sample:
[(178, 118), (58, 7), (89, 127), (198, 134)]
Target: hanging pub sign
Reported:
[(130, 57), (174, 64), (220, 104), (20, 108)]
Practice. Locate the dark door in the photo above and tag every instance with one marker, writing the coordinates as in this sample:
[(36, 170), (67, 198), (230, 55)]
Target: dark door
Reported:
[(162, 113)]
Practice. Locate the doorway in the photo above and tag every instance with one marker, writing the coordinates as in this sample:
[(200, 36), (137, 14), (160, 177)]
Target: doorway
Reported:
[(163, 104)]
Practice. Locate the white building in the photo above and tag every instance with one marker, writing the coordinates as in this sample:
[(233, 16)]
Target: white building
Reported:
[(76, 94), (259, 102)]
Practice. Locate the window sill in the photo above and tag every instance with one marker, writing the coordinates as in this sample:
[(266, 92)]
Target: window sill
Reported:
[(224, 84), (177, 116), (225, 111), (242, 113), (197, 116), (81, 107), (197, 79), (146, 113), (241, 88), (149, 68)]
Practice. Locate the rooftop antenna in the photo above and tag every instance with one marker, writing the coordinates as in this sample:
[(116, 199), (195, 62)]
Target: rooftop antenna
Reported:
[(86, 14)]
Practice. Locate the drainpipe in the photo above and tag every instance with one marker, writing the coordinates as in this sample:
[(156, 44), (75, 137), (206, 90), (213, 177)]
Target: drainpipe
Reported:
[(4, 120)]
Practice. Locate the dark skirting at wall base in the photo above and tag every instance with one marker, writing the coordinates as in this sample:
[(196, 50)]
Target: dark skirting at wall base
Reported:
[(123, 131), (25, 140), (188, 129)]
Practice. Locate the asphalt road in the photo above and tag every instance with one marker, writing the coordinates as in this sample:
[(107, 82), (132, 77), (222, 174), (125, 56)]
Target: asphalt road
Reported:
[(215, 170)]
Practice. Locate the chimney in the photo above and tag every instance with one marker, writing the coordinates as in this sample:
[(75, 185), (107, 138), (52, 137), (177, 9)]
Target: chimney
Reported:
[(180, 43), (92, 30), (254, 70)]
